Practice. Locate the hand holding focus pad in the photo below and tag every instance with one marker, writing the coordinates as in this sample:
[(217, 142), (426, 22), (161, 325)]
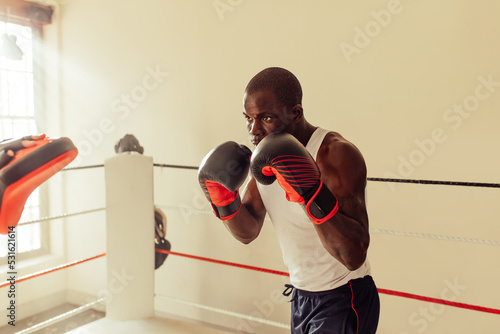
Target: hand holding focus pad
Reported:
[(9, 147), (281, 156), (221, 174), (28, 169)]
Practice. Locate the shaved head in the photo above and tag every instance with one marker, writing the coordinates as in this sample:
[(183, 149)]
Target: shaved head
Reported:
[(282, 83)]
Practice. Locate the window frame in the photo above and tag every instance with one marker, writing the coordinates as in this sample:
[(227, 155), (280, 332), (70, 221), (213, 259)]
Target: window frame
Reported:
[(34, 16)]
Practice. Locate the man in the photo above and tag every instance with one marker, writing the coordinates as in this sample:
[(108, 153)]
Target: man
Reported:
[(317, 205)]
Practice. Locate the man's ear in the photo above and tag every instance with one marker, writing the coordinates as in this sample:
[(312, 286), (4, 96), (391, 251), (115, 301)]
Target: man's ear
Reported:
[(297, 112)]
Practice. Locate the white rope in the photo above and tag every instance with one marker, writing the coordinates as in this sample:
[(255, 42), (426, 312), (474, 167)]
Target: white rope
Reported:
[(64, 215), (372, 230), (226, 312), (61, 317), (185, 209), (81, 167), (436, 237)]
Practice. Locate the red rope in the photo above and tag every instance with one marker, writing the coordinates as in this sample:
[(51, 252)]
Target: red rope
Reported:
[(275, 272), (439, 301), (40, 273), (223, 262), (383, 291)]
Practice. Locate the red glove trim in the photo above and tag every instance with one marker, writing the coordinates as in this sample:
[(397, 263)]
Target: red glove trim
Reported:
[(219, 195), (291, 194), (332, 212), (221, 211), (225, 203)]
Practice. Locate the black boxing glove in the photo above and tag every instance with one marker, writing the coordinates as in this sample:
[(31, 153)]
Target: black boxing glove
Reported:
[(221, 174), (281, 156)]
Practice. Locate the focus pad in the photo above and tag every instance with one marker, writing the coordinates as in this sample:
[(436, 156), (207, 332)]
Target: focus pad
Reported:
[(30, 167)]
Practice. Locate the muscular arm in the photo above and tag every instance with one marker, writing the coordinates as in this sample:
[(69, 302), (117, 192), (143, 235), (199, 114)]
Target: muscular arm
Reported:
[(245, 226), (345, 236)]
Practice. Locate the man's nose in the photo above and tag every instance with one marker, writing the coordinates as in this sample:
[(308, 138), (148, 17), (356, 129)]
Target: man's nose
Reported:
[(255, 128)]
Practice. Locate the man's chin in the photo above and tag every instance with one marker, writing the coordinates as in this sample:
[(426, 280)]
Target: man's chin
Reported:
[(256, 141)]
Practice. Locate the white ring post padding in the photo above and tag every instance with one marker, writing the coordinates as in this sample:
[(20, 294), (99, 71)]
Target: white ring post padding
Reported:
[(129, 237)]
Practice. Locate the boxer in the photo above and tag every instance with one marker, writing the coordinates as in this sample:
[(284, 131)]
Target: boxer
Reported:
[(311, 181)]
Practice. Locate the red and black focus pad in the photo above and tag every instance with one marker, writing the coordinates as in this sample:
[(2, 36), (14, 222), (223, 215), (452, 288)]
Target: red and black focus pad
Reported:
[(280, 156), (29, 168), (221, 173)]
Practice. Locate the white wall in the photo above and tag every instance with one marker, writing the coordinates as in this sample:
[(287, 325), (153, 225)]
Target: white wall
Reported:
[(387, 91)]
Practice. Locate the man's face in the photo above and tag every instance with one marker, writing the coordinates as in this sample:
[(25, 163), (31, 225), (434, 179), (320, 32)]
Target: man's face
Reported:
[(264, 115)]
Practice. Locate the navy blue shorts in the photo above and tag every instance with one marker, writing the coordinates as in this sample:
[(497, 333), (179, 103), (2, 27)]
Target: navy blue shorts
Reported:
[(352, 308)]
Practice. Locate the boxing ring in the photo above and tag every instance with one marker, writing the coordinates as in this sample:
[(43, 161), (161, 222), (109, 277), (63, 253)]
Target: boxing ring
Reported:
[(130, 248)]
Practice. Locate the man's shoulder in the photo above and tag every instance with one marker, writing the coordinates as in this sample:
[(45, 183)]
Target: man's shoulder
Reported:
[(335, 143), (342, 164), (335, 149)]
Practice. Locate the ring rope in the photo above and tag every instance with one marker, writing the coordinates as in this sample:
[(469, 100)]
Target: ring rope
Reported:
[(275, 272), (61, 317), (375, 179), (383, 291), (372, 230), (63, 215), (440, 301), (48, 271), (185, 209), (435, 236), (231, 313), (175, 166), (82, 167), (447, 183), (381, 179), (233, 264)]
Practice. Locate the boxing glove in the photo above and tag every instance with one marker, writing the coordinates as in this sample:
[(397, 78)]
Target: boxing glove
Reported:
[(280, 156), (221, 174)]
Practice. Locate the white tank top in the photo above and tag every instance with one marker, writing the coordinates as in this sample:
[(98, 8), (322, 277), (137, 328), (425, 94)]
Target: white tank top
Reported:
[(310, 265)]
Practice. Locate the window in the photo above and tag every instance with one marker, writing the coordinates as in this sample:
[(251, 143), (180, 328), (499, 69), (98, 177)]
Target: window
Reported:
[(18, 84)]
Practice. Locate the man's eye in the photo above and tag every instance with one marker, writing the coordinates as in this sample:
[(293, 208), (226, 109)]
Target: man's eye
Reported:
[(267, 119)]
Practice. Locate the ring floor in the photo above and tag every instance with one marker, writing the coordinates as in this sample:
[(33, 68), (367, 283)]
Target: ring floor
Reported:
[(150, 326), (95, 322)]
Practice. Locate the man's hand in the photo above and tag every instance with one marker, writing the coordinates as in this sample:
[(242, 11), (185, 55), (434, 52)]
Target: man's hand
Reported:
[(9, 147), (221, 174), (281, 156)]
